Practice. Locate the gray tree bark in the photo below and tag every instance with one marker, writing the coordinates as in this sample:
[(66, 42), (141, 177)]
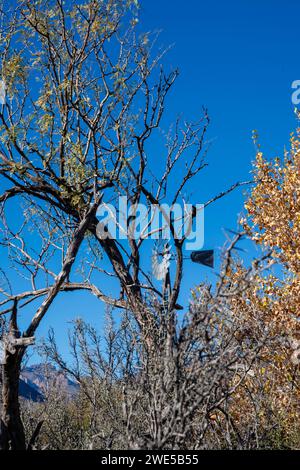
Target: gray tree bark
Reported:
[(12, 434)]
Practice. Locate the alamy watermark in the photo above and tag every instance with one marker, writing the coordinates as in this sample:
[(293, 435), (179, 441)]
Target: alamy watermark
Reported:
[(296, 92), (141, 221), (2, 92)]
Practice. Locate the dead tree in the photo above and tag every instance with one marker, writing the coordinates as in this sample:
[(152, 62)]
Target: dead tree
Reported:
[(84, 95), (176, 395), (12, 435)]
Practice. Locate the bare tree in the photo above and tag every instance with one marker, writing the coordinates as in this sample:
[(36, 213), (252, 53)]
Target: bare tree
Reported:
[(177, 392), (85, 95)]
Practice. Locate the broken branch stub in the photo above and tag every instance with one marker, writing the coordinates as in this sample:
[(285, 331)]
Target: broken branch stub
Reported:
[(9, 344)]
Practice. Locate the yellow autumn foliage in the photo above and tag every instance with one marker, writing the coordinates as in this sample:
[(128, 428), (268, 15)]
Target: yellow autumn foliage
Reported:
[(272, 298)]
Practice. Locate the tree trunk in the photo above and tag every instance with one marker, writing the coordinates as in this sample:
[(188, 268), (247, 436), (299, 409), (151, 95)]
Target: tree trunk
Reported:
[(12, 429)]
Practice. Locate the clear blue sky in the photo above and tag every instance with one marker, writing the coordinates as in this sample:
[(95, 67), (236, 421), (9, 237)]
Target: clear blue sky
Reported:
[(237, 58)]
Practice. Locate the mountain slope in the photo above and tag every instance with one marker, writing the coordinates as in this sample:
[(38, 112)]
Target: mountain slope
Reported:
[(42, 376), (28, 391)]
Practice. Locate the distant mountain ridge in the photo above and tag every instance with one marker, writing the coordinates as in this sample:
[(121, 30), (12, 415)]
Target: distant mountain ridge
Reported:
[(36, 380), (29, 391)]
